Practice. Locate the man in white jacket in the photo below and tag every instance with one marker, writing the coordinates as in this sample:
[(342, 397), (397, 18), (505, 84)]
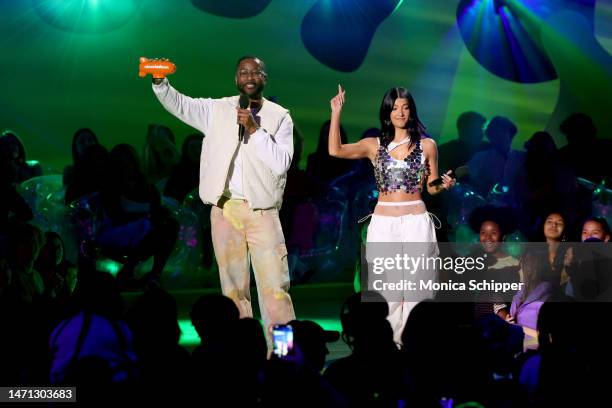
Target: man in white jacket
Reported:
[(244, 181)]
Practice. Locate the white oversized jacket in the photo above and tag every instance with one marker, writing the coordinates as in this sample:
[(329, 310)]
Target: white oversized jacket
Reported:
[(266, 155)]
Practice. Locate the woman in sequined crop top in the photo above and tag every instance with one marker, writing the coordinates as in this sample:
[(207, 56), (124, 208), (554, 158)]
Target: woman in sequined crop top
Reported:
[(405, 160)]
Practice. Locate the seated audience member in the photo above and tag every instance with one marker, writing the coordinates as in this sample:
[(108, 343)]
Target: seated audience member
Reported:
[(590, 266), (372, 374), (81, 140), (250, 350), (159, 155), (584, 152), (185, 175), (212, 316), (595, 228), (555, 231), (135, 223), (94, 347), (26, 283), (14, 210), (163, 364), (500, 164), (322, 167), (215, 361), (300, 189), (565, 371), (13, 153), (535, 291), (549, 182), (438, 368), (459, 151), (312, 340), (492, 224), (58, 274), (90, 173)]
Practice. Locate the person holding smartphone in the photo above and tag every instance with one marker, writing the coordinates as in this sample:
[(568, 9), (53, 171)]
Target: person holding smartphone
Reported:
[(405, 160), (243, 169)]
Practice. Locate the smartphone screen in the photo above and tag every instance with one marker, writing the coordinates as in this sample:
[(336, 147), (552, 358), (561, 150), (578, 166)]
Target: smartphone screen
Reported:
[(282, 336)]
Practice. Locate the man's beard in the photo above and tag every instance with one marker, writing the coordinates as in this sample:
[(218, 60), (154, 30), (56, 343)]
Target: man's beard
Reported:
[(257, 90)]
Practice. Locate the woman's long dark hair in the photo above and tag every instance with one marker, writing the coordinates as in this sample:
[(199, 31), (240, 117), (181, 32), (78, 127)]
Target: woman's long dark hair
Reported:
[(75, 140), (535, 268), (415, 127), (557, 263), (9, 136), (537, 234)]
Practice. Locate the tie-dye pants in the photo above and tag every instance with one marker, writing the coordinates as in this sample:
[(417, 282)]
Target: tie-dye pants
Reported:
[(242, 236)]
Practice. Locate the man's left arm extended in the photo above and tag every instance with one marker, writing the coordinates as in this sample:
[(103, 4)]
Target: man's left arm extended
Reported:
[(275, 151)]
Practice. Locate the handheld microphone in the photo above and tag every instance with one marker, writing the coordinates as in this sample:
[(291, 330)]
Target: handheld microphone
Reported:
[(159, 68), (460, 171), (243, 102)]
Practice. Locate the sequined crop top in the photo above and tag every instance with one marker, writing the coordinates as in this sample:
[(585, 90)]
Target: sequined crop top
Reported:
[(400, 175)]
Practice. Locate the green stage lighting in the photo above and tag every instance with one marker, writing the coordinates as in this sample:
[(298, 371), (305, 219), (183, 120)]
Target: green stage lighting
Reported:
[(86, 16)]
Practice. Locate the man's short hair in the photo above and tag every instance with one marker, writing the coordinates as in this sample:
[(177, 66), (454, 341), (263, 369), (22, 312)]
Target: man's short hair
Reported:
[(578, 123), (468, 118), (253, 57), (500, 122)]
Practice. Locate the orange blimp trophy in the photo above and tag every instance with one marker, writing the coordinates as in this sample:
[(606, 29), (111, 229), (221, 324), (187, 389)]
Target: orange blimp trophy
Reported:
[(158, 67)]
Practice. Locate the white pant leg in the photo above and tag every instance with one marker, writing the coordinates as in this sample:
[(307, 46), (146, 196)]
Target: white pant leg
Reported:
[(413, 228)]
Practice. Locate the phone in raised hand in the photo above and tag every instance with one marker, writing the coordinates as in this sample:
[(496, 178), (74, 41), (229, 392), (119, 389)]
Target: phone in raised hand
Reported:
[(282, 337)]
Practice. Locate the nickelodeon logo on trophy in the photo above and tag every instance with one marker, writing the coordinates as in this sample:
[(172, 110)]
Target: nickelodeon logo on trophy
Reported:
[(158, 67)]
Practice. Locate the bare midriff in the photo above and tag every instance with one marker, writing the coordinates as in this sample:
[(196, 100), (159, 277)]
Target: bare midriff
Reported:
[(399, 203)]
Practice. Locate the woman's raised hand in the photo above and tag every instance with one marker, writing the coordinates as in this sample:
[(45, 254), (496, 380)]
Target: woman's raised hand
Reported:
[(337, 101)]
